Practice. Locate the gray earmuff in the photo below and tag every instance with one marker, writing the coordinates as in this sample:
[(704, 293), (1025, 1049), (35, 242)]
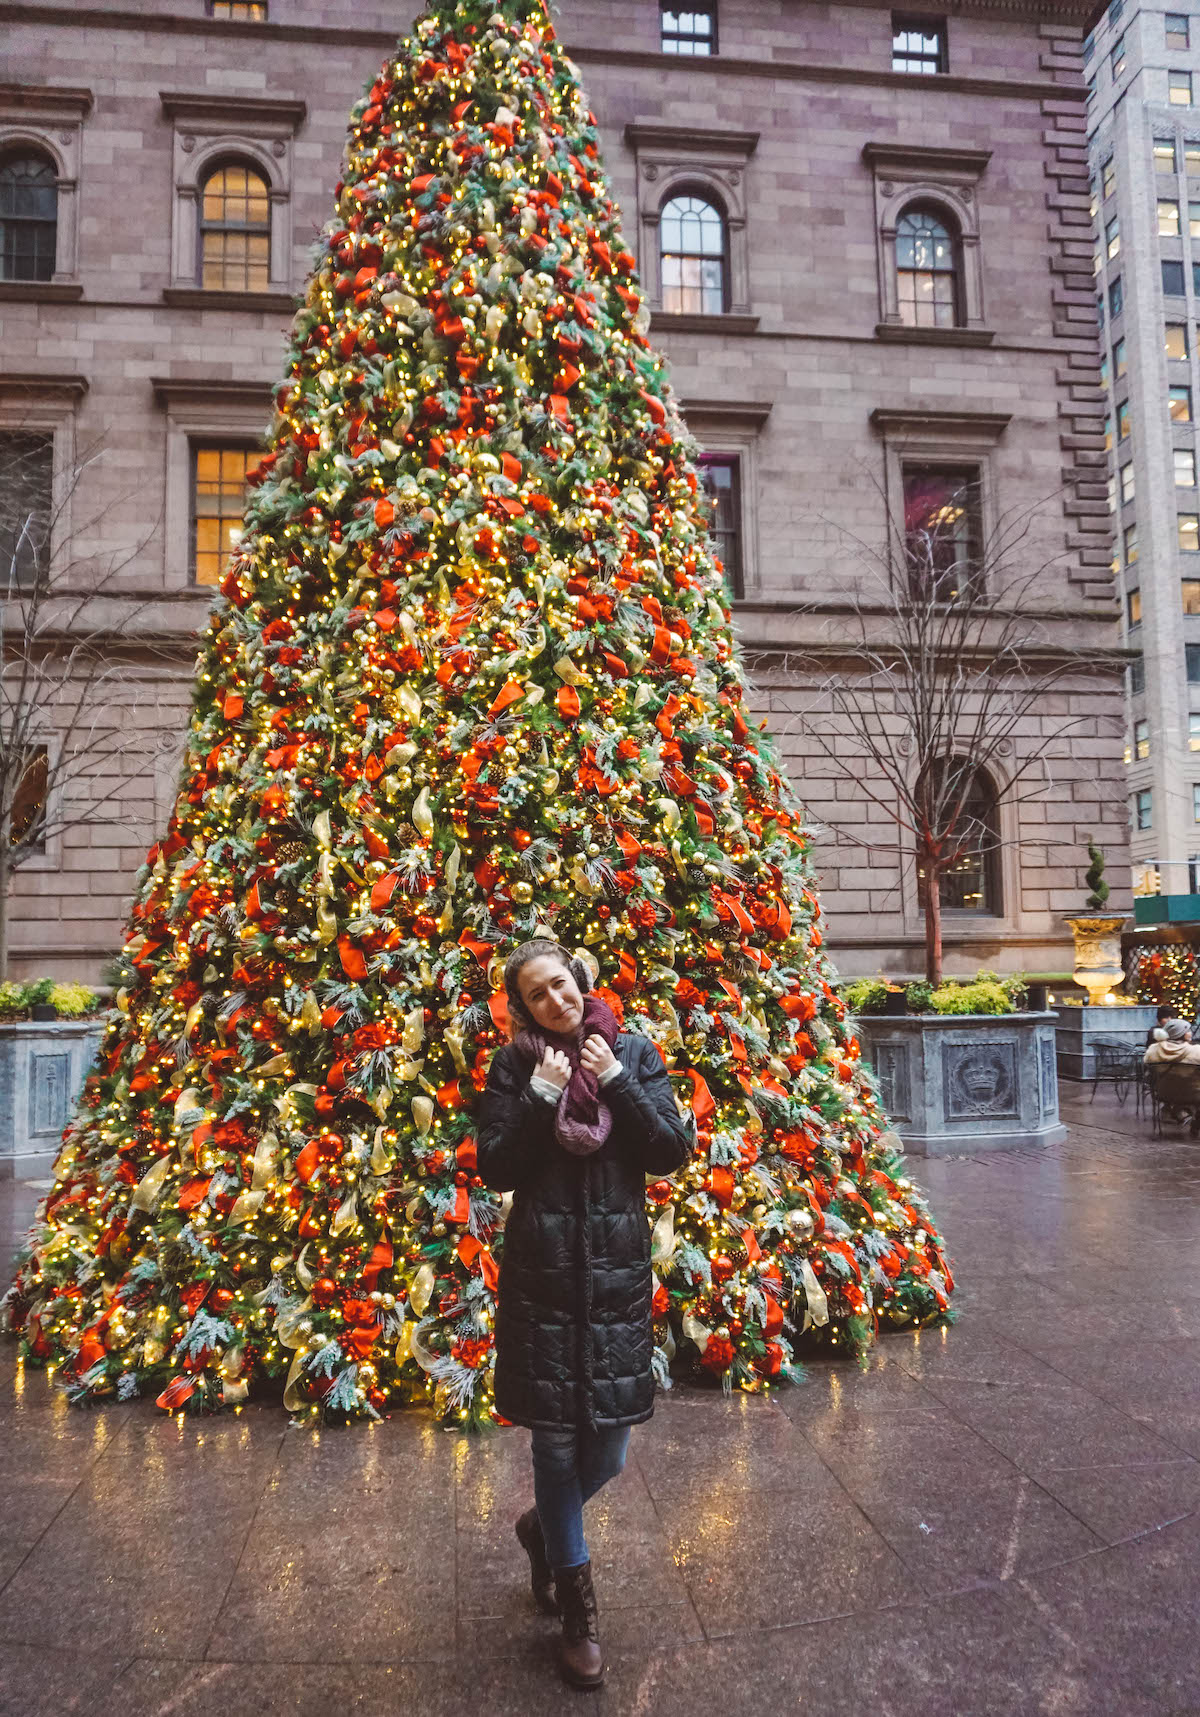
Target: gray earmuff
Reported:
[(580, 973)]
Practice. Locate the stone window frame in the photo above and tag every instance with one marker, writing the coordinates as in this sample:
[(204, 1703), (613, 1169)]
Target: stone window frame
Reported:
[(49, 121), (944, 180), (731, 429), (208, 132), (955, 438), (210, 412), (673, 161), (48, 404)]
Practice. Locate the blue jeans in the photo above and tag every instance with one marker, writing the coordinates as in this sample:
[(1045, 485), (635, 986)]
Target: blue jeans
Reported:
[(570, 1466)]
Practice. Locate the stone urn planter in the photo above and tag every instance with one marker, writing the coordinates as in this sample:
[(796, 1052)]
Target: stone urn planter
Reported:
[(43, 1065), (1098, 966), (966, 1082)]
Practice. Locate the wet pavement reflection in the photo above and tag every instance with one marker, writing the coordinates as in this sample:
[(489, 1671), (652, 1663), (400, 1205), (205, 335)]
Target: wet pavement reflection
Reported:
[(1002, 1517)]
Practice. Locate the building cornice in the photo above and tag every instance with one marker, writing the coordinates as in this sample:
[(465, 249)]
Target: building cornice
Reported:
[(56, 101), (644, 134), (40, 291), (187, 108), (903, 159), (43, 382), (893, 422), (176, 392), (729, 413), (212, 298)]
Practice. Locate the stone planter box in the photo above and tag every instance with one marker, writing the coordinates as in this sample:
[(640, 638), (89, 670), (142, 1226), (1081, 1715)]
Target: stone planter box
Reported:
[(43, 1065), (966, 1082), (1078, 1029)]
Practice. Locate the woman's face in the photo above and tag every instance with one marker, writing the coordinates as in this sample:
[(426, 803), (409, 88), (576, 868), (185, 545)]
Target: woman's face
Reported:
[(550, 994)]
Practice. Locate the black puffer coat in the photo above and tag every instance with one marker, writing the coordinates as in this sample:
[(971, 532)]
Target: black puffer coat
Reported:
[(574, 1326)]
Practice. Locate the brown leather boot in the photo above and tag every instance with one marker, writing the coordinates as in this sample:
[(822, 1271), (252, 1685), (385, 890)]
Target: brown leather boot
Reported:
[(579, 1654), (541, 1575)]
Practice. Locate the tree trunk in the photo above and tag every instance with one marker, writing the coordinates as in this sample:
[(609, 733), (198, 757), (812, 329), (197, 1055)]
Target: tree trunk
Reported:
[(933, 925), (5, 881)]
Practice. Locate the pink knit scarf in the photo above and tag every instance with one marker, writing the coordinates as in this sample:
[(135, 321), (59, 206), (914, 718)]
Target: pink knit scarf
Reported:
[(583, 1120)]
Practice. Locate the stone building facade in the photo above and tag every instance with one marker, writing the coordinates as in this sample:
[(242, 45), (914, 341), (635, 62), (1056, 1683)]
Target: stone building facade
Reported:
[(1143, 67), (819, 138)]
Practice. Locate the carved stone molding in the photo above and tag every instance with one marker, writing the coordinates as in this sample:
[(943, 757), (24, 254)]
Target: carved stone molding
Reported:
[(675, 159)]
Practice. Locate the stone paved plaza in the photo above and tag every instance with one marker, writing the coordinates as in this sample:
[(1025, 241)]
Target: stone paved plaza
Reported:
[(1000, 1518)]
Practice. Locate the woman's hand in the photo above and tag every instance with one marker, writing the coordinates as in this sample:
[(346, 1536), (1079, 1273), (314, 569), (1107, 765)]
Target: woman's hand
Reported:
[(555, 1068), (596, 1055)]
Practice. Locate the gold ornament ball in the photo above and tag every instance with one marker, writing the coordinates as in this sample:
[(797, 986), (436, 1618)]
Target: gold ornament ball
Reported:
[(522, 893)]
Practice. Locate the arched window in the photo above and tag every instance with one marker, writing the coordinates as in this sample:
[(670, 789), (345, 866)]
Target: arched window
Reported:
[(235, 230), (927, 284), (964, 805), (692, 247), (28, 217)]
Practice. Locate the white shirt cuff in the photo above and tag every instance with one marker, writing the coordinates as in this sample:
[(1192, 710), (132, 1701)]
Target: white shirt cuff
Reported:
[(544, 1089), (609, 1073)]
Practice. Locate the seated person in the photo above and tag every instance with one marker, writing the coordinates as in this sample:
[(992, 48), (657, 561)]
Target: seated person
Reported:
[(1163, 1014), (1173, 1046)]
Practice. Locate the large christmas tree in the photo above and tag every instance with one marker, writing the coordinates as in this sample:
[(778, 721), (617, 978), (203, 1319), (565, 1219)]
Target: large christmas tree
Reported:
[(472, 677)]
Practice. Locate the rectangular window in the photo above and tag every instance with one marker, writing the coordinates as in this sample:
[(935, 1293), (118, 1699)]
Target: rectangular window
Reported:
[(1190, 591), (1105, 373), (1194, 219), (693, 31), (1129, 544), (1194, 731), (1111, 490), (919, 45), (1133, 608), (1195, 806), (1176, 25), (26, 507), (1143, 815), (1097, 261), (1172, 278), (943, 530), (1191, 159), (1116, 297), (721, 475), (1123, 421), (1091, 88), (1116, 58), (1179, 404), (1187, 526), (27, 822), (1191, 657), (1179, 89), (218, 502), (1175, 340), (1185, 467), (1119, 359), (1109, 177), (1108, 435), (1127, 483), (1137, 676), (1100, 309), (1168, 217), (1164, 155), (1141, 740), (1112, 234), (1093, 199), (250, 11), (1114, 12)]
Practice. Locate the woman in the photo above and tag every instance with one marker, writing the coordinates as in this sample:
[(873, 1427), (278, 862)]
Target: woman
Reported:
[(576, 1114)]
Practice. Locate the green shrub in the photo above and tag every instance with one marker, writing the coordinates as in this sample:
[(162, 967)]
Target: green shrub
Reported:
[(866, 995), (11, 998), (74, 1000), (37, 991), (920, 997), (984, 996)]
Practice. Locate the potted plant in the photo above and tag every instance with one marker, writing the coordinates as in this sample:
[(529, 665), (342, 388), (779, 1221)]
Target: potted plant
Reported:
[(1104, 1017)]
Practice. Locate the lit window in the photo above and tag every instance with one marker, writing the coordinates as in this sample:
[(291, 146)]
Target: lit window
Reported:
[(27, 819), (1123, 421), (972, 881), (691, 32), (943, 532), (235, 231), (1194, 732), (692, 235), (1180, 404), (918, 45), (1129, 544), (1116, 58), (1112, 234), (1108, 434), (1127, 483), (218, 502), (1175, 341), (1179, 89), (1194, 219), (1119, 359), (1164, 155), (721, 475), (1168, 218), (1109, 173), (26, 507), (1104, 370), (1176, 25), (926, 271), (1172, 278), (1093, 200), (1188, 529), (1133, 607), (28, 218), (1141, 740), (1190, 593), (1143, 815), (248, 11), (1185, 467), (1116, 297)]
